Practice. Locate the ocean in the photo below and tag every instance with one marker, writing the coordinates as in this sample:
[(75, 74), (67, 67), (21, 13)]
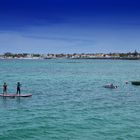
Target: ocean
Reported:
[(69, 101)]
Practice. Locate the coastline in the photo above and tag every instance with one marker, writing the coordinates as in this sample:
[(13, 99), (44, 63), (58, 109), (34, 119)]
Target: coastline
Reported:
[(97, 58), (113, 56)]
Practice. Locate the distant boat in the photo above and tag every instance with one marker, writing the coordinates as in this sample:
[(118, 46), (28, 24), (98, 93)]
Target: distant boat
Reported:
[(137, 83)]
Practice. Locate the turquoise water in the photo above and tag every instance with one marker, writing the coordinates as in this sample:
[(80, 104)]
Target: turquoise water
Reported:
[(69, 102)]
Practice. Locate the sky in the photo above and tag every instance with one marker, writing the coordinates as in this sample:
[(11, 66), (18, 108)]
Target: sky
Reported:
[(69, 26)]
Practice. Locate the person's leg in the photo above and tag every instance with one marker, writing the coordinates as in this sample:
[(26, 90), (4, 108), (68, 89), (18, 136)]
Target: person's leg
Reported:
[(17, 90)]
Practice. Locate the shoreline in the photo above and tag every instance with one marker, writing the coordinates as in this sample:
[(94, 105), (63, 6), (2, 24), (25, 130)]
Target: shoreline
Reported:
[(113, 58), (94, 58)]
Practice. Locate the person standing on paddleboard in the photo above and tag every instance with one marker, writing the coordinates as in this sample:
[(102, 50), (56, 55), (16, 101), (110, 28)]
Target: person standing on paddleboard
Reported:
[(4, 88), (18, 87)]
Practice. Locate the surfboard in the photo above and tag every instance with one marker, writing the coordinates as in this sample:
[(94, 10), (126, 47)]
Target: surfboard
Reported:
[(15, 95)]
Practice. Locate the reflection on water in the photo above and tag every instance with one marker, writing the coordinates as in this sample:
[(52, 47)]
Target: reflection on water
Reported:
[(4, 101), (18, 100)]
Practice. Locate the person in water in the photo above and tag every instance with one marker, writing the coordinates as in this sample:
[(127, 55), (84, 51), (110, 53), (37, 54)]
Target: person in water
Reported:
[(112, 86), (18, 87), (4, 88)]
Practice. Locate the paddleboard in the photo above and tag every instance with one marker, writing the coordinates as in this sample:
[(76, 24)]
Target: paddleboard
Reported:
[(15, 95), (111, 87)]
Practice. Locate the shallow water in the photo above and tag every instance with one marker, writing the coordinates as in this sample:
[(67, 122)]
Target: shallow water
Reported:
[(69, 101)]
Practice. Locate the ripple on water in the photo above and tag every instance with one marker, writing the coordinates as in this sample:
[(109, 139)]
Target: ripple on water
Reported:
[(69, 101)]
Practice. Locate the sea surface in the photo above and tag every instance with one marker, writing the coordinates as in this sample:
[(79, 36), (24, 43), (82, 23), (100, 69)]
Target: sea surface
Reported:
[(69, 101)]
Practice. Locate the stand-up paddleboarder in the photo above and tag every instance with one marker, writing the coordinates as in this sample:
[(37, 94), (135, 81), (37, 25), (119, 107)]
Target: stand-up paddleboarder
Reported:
[(18, 87), (4, 88)]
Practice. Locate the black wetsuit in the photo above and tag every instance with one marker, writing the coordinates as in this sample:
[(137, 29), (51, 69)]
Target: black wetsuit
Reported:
[(18, 88), (4, 88)]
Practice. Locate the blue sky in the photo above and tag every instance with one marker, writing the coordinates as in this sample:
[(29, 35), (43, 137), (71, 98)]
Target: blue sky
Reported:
[(69, 26)]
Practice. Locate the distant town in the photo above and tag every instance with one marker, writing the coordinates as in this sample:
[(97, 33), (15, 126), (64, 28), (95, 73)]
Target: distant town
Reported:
[(126, 56)]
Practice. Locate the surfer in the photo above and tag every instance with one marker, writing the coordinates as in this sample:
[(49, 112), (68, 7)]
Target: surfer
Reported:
[(4, 88), (18, 87)]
